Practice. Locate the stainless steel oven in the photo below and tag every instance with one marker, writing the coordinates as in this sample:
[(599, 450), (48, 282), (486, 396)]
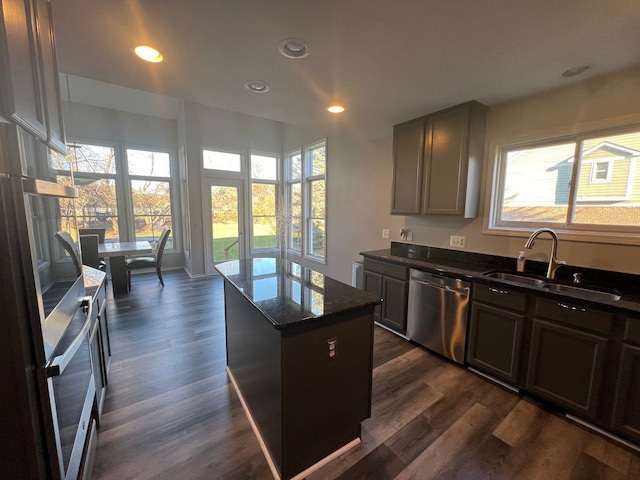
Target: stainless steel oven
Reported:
[(72, 389)]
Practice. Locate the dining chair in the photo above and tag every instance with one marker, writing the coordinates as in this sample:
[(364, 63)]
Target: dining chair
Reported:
[(101, 232), (67, 243), (135, 263), (89, 249)]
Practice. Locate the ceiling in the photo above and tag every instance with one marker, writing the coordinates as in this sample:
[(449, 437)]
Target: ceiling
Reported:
[(387, 61)]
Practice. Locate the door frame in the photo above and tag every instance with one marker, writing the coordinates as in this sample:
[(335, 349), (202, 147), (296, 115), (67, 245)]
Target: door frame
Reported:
[(207, 183)]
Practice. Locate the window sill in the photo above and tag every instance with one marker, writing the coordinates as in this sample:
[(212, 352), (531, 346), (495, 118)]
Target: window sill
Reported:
[(609, 238)]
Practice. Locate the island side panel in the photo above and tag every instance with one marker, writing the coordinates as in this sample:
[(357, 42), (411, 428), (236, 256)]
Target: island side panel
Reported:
[(253, 356), (325, 398)]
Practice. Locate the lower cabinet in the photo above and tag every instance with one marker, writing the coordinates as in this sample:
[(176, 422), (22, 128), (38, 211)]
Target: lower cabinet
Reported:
[(391, 283), (495, 341), (566, 366), (100, 347), (626, 410)]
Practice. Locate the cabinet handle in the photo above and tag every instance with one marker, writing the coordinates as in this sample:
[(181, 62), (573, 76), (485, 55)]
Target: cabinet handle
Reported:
[(501, 292), (571, 307)]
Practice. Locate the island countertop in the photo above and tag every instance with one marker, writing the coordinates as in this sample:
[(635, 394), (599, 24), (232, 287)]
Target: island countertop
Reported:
[(289, 294)]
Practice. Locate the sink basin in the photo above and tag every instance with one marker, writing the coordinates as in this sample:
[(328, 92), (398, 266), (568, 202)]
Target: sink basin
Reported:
[(587, 294), (516, 278)]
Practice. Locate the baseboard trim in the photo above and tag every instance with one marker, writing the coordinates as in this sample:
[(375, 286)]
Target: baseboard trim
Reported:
[(267, 453), (392, 331), (602, 431), (495, 380)]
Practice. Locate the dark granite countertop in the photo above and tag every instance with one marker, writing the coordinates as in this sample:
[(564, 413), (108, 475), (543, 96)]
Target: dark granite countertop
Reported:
[(93, 278), (473, 266), (289, 294)]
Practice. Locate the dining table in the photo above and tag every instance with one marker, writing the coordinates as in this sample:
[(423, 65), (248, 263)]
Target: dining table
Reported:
[(117, 252)]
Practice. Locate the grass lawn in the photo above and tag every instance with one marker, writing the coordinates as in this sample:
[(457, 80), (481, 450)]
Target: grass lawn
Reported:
[(228, 234)]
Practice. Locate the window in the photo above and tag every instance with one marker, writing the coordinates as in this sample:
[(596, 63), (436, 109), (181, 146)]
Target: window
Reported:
[(94, 173), (543, 184), (601, 171), (150, 180), (129, 197), (264, 185), (225, 161), (306, 194)]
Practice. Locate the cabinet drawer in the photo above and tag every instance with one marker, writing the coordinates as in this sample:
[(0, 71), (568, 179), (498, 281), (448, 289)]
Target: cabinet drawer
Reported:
[(500, 296), (632, 330), (575, 314), (387, 269)]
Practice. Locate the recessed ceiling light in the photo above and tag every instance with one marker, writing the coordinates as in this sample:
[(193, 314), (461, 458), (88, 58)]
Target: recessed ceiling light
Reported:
[(336, 109), (572, 72), (257, 86), (293, 48), (148, 53)]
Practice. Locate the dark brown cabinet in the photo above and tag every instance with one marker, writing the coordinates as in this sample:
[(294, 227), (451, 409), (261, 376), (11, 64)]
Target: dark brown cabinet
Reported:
[(408, 161), (437, 162), (626, 409), (100, 347), (495, 338), (30, 91), (391, 283), (567, 355)]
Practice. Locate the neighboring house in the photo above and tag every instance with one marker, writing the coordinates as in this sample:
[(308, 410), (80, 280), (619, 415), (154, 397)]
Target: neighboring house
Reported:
[(608, 184)]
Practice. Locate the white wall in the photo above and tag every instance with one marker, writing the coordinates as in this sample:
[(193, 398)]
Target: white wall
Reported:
[(214, 127), (603, 102)]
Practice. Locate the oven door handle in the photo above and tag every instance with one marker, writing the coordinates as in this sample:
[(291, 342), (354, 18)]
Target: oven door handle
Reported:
[(57, 365)]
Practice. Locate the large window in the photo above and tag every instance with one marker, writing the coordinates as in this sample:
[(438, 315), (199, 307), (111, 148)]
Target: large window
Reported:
[(129, 197), (150, 180), (306, 194), (264, 202), (587, 183)]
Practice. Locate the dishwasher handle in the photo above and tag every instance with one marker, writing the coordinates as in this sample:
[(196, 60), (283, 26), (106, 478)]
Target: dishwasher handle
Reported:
[(453, 285)]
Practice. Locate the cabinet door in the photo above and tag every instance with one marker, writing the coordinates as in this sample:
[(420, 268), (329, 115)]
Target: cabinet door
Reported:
[(394, 307), (495, 341), (95, 340), (20, 63), (445, 161), (50, 80), (626, 410), (408, 149), (566, 366), (373, 284)]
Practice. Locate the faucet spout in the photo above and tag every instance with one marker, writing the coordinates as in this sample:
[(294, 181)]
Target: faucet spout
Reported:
[(554, 263)]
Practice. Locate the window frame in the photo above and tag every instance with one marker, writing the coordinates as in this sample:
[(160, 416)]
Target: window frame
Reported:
[(252, 248), (306, 181), (608, 234)]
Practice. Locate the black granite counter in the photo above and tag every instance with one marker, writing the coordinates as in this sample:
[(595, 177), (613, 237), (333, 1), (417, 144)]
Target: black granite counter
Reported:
[(289, 294), (473, 266)]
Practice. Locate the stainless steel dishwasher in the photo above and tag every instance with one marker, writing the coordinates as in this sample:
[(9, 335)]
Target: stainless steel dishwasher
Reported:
[(438, 310)]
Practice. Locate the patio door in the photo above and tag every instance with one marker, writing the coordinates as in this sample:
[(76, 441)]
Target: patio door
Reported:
[(224, 221)]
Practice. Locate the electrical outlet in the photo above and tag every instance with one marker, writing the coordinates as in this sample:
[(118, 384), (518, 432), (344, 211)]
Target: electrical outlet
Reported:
[(456, 241), (385, 233)]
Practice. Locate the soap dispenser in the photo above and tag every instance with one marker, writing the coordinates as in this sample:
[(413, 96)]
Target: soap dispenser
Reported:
[(520, 262)]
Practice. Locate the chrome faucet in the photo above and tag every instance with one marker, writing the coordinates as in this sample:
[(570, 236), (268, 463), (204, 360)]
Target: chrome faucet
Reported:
[(554, 263)]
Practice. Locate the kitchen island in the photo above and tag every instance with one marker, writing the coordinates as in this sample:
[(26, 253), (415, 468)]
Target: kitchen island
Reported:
[(299, 353)]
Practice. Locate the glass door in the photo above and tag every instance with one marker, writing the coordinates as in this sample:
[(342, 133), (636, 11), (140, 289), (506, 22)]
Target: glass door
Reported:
[(225, 221)]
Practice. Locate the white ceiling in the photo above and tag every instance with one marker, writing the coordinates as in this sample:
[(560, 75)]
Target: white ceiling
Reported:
[(387, 61)]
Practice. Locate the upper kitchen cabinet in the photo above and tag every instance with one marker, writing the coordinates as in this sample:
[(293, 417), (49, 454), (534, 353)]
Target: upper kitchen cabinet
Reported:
[(408, 160), (30, 90), (437, 162)]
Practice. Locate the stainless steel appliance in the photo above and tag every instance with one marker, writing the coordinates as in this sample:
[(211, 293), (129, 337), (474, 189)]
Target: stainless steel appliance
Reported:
[(438, 311), (47, 386)]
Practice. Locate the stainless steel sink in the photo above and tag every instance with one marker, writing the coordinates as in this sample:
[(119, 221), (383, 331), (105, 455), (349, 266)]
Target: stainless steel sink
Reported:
[(587, 294), (516, 278)]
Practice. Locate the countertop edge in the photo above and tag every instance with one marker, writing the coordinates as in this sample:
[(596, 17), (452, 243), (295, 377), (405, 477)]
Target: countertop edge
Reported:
[(478, 274)]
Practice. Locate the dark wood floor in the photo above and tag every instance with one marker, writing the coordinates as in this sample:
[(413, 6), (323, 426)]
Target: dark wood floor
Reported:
[(171, 413)]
